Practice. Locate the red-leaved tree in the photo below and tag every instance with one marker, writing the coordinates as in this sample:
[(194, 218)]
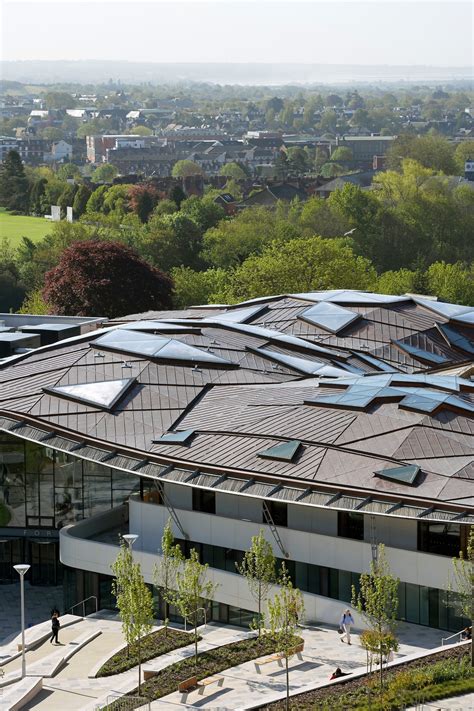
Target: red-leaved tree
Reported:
[(96, 278), (143, 200)]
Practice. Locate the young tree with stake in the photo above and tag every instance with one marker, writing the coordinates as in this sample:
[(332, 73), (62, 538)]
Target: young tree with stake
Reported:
[(285, 610), (463, 570), (166, 570), (377, 602), (134, 601), (258, 567), (193, 592)]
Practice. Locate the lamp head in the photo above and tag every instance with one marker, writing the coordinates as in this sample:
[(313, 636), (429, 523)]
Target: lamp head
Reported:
[(130, 538), (22, 568)]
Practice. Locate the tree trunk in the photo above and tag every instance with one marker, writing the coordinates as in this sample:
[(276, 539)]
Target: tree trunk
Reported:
[(195, 645), (287, 684), (381, 667), (259, 614), (139, 665)]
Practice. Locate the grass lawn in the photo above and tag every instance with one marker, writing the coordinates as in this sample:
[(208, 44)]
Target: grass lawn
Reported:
[(152, 646), (14, 227)]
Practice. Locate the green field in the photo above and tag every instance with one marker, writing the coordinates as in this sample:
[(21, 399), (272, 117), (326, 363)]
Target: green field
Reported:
[(14, 227)]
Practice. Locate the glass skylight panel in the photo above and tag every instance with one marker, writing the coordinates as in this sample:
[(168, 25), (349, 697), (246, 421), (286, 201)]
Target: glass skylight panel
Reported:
[(422, 400), (357, 400), (175, 350), (458, 402), (467, 317), (182, 437), (241, 315), (402, 475), (421, 353), (318, 295), (284, 452), (441, 308), (380, 364), (456, 339), (103, 395), (329, 316), (156, 326), (125, 341), (158, 347), (348, 296)]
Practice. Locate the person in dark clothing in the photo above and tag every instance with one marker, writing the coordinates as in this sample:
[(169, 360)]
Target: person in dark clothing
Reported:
[(55, 625), (466, 633), (337, 674)]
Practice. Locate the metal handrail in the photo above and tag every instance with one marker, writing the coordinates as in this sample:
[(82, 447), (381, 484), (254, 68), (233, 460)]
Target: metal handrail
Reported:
[(456, 634), (83, 603)]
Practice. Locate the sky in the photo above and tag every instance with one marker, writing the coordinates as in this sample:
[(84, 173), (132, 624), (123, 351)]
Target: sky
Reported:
[(372, 32)]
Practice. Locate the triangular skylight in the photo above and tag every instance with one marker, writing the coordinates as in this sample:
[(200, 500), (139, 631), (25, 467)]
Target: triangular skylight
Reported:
[(241, 315), (302, 365), (103, 395), (456, 339), (421, 353), (350, 296), (357, 397), (182, 437), (284, 452), (156, 347), (329, 316), (442, 308), (376, 362), (402, 475)]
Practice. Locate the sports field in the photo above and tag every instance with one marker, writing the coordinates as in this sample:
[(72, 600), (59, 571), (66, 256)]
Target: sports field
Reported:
[(14, 227)]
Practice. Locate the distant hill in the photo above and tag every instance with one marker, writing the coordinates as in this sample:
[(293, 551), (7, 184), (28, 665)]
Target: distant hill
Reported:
[(96, 71)]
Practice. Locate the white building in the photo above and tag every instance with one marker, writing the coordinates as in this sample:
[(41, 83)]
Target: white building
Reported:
[(353, 426)]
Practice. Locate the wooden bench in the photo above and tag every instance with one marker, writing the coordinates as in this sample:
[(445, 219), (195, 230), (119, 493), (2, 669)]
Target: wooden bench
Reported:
[(192, 683), (274, 658), (280, 656)]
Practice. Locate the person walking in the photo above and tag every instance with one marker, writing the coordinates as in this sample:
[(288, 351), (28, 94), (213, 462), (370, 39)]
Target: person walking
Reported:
[(55, 625), (345, 624)]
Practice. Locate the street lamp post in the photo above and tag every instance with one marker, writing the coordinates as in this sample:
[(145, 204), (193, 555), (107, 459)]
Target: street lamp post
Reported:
[(22, 569), (130, 538)]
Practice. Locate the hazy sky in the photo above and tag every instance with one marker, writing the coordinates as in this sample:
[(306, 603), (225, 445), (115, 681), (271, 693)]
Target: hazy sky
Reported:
[(319, 31)]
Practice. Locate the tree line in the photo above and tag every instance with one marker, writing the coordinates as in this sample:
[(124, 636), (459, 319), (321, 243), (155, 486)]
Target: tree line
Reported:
[(412, 232)]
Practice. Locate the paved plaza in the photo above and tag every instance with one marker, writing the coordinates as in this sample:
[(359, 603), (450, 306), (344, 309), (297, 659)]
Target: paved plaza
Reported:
[(73, 686), (39, 601)]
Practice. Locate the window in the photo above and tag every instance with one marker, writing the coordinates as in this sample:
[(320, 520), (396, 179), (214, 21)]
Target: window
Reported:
[(350, 525), (439, 538), (204, 501), (278, 511)]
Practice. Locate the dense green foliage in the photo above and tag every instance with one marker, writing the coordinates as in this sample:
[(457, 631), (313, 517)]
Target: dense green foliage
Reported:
[(411, 233), (14, 184)]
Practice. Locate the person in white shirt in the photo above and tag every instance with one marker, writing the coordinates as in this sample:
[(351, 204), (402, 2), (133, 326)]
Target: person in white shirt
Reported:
[(345, 624)]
